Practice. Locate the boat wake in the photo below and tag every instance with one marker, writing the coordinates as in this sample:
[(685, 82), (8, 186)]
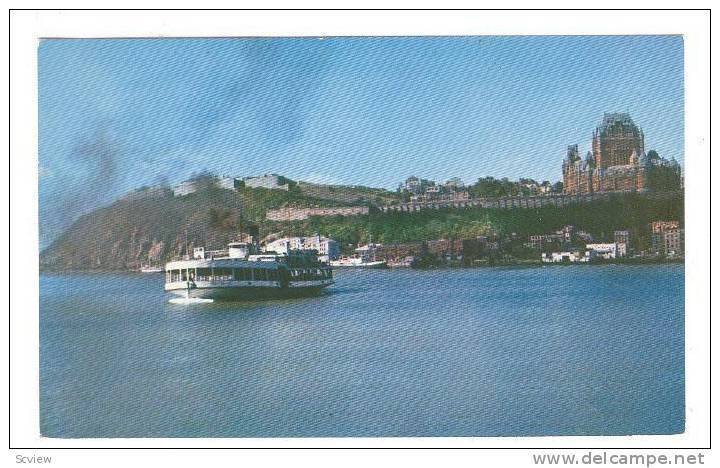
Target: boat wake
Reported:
[(189, 300)]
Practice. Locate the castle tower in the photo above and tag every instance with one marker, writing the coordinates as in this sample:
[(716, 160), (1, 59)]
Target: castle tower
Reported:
[(615, 140), (571, 171)]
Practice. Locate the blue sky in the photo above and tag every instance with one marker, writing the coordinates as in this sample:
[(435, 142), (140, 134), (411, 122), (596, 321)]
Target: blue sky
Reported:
[(118, 114)]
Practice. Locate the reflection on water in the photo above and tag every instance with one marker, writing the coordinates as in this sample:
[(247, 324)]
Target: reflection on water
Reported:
[(483, 352)]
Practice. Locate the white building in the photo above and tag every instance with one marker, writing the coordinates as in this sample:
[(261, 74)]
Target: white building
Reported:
[(621, 250), (563, 257), (327, 249), (603, 251), (185, 188), (229, 183), (268, 181), (193, 185)]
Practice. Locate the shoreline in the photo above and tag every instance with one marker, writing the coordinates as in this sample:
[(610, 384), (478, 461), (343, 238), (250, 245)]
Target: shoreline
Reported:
[(520, 263), (534, 263)]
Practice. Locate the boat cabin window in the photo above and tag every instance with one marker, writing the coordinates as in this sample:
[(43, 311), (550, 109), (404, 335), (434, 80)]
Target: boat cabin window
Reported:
[(241, 274), (203, 274), (223, 274)]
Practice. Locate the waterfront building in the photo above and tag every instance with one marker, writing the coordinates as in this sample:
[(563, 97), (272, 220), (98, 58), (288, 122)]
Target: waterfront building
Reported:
[(674, 242), (621, 249), (327, 249), (563, 257), (667, 238), (622, 239), (605, 251)]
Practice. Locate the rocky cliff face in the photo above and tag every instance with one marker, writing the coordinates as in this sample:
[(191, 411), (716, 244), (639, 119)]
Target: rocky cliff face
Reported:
[(141, 229), (151, 226)]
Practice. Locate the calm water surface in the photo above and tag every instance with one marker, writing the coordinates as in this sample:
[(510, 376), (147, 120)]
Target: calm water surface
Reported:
[(474, 352)]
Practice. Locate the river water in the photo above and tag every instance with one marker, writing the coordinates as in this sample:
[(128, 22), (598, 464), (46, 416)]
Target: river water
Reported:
[(575, 350)]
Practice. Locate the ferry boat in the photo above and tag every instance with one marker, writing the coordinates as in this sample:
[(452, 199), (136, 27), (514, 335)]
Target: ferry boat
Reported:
[(241, 273), (364, 257)]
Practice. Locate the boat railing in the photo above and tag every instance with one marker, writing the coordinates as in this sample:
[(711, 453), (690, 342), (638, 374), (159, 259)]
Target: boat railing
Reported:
[(210, 254)]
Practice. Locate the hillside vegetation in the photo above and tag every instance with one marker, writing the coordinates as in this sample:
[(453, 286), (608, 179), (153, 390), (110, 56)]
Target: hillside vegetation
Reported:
[(601, 218), (153, 226)]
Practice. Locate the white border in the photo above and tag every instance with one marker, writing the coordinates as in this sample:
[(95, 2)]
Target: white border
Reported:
[(28, 27)]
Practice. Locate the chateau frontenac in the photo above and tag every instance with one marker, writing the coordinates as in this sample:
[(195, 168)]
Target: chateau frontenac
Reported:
[(618, 162)]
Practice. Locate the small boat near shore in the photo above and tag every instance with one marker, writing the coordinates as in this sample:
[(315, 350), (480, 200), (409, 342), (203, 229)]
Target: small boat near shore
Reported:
[(364, 258), (357, 262)]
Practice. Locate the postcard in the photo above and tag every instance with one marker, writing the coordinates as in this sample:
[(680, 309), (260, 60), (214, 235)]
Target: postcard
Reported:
[(347, 236)]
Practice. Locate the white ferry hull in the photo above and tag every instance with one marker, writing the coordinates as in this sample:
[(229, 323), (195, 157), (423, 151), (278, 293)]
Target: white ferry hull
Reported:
[(239, 292), (151, 270)]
